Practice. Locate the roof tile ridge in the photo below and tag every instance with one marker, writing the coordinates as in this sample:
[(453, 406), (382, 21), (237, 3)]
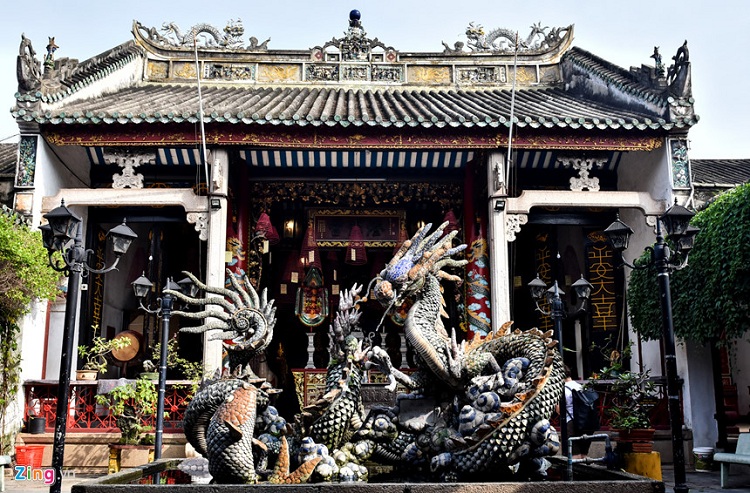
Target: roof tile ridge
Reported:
[(610, 72), (95, 68)]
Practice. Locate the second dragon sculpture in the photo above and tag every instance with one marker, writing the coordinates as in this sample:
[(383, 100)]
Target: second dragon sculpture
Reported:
[(475, 409)]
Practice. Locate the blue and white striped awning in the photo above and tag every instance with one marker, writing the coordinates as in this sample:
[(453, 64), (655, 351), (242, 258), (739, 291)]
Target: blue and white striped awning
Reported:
[(356, 159), (165, 156), (417, 159), (533, 159)]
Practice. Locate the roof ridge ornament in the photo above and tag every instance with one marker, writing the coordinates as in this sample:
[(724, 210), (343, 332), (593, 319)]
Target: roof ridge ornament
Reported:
[(501, 40), (203, 34), (355, 46)]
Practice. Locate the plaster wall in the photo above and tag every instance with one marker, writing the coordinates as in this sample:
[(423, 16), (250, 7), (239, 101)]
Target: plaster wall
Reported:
[(651, 172), (701, 393), (644, 172), (50, 176)]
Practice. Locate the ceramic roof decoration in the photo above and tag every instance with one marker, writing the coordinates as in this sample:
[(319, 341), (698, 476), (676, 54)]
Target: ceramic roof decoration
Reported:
[(354, 80)]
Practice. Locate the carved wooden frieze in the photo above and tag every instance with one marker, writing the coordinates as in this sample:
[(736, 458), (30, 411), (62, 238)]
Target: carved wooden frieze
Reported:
[(322, 72), (229, 71), (387, 73), (356, 73), (481, 75)]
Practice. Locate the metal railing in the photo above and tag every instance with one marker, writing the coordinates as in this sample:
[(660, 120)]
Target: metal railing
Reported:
[(85, 415)]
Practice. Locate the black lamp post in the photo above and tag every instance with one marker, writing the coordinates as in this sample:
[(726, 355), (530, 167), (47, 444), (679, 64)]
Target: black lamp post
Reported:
[(539, 290), (141, 288), (676, 223), (63, 234)]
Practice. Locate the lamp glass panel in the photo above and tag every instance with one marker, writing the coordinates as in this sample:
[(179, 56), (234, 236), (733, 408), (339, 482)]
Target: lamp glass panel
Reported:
[(619, 234), (676, 220), (537, 288), (141, 287)]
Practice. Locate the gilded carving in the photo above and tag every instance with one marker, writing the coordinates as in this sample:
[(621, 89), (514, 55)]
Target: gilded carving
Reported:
[(278, 73), (356, 195), (184, 70), (157, 69), (525, 75), (430, 75), (601, 276)]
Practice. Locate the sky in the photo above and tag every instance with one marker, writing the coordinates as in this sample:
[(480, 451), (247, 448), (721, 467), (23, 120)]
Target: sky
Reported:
[(622, 32)]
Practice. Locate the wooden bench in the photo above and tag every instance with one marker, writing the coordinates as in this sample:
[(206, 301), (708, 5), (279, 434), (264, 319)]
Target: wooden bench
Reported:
[(740, 456)]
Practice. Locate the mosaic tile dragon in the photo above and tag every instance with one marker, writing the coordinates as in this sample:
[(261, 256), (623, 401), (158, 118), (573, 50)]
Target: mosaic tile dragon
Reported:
[(476, 409)]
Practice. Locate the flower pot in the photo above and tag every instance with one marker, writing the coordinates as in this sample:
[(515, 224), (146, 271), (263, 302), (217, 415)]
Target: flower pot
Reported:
[(150, 375), (636, 440), (36, 425), (636, 435), (86, 374), (127, 456)]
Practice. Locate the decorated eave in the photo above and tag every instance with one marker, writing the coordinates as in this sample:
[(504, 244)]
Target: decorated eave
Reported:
[(353, 81)]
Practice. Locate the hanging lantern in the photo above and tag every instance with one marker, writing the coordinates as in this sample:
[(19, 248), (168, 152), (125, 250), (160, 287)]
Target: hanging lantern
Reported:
[(265, 227), (309, 254), (311, 306), (355, 251), (452, 225)]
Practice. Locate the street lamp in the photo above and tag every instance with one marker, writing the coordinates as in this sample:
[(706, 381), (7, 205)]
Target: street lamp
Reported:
[(538, 290), (63, 233), (142, 287), (676, 223)]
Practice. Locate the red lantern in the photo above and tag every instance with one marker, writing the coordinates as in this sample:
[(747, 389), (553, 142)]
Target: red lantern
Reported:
[(265, 227)]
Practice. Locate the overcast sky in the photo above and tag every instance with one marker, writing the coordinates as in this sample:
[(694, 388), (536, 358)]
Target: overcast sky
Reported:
[(622, 32)]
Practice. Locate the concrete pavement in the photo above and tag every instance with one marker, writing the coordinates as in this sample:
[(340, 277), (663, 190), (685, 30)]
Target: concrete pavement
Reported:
[(698, 482)]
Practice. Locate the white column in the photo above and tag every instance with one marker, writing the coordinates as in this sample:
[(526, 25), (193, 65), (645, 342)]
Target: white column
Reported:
[(498, 245), (217, 240)]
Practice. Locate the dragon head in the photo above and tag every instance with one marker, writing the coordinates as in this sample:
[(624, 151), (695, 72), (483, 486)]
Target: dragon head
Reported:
[(423, 254)]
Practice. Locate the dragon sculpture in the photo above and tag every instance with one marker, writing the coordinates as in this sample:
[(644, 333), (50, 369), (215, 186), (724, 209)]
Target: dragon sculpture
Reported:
[(214, 38), (504, 40), (478, 409)]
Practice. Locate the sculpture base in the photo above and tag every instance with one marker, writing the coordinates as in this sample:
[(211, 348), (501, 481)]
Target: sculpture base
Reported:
[(587, 478)]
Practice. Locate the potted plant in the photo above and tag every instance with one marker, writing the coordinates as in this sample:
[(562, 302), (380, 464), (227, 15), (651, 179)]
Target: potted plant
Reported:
[(633, 396), (94, 356), (132, 404)]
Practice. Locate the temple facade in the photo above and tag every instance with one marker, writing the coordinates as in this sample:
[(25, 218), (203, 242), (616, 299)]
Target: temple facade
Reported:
[(304, 169)]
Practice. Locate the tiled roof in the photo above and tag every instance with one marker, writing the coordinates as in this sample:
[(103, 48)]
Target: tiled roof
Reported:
[(315, 105), (87, 72), (8, 156), (709, 172), (617, 76)]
